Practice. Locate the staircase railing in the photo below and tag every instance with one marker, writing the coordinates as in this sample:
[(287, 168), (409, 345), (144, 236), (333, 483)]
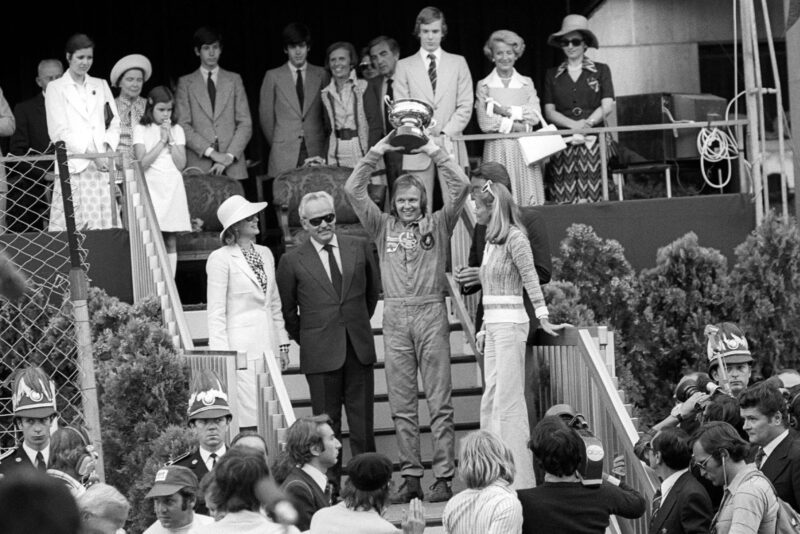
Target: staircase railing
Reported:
[(577, 368), (275, 412), (150, 268)]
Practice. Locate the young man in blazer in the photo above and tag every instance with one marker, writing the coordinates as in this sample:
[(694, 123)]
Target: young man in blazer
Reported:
[(763, 410), (329, 288), (290, 106), (681, 505), (213, 111), (442, 80)]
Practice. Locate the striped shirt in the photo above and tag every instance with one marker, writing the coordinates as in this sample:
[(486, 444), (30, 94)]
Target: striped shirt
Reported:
[(494, 509), (748, 506), (506, 268)]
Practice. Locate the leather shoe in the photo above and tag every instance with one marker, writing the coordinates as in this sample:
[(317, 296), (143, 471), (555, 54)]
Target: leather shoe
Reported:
[(440, 491), (409, 489)]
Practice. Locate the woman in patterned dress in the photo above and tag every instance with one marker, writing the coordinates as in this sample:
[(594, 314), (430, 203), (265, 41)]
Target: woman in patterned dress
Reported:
[(129, 74), (82, 113), (507, 102), (577, 94)]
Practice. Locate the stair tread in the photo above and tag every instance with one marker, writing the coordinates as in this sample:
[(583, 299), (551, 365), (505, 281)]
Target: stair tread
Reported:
[(383, 397)]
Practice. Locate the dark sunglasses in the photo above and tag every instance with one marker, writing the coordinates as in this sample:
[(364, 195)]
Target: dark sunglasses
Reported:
[(574, 42), (702, 464), (316, 221)]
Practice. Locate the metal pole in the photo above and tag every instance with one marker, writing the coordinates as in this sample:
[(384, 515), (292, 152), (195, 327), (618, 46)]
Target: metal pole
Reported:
[(604, 164), (793, 64), (746, 7), (79, 290)]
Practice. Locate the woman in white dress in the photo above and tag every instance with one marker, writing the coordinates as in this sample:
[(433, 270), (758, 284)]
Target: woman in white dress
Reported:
[(243, 304), (82, 113), (160, 144)]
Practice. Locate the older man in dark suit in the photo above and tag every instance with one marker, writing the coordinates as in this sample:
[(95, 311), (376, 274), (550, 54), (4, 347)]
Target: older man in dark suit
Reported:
[(540, 246), (777, 454), (329, 288), (681, 504), (384, 53), (27, 195), (213, 111)]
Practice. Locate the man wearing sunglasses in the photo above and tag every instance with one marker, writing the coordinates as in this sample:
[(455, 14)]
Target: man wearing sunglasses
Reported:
[(329, 288)]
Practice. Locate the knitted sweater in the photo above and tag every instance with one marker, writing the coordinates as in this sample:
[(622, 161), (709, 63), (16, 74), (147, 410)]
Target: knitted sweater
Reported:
[(506, 268)]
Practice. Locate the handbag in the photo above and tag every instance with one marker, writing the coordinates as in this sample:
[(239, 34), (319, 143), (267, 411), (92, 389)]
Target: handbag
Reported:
[(536, 148), (108, 114)]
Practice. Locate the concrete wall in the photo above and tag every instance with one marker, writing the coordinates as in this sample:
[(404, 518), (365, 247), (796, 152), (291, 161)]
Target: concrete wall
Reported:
[(651, 45)]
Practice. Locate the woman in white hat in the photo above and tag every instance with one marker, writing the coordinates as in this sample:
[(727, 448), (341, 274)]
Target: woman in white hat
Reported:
[(243, 305), (81, 112), (577, 94), (129, 74)]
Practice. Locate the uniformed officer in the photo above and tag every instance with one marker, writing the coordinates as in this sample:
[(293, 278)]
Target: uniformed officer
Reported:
[(34, 404), (210, 415)]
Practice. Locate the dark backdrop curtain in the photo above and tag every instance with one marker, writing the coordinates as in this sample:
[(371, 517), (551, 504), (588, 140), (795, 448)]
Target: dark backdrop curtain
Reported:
[(162, 30)]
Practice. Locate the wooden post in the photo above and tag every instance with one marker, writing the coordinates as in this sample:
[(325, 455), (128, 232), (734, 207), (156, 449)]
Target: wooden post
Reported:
[(792, 61)]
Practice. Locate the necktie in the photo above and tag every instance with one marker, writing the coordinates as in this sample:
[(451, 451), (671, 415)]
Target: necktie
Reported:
[(432, 71), (41, 465), (390, 94), (213, 457), (299, 88), (656, 504), (760, 454), (212, 91), (336, 275)]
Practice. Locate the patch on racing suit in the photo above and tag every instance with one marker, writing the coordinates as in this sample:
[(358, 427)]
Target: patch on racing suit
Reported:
[(427, 242), (407, 240)]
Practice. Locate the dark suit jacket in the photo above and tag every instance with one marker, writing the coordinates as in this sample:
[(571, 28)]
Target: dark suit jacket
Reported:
[(31, 134), (373, 109), (540, 246), (16, 459), (686, 510), (306, 496), (783, 469), (316, 317)]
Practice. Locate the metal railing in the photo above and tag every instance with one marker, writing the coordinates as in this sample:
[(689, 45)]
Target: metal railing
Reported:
[(577, 368), (150, 268)]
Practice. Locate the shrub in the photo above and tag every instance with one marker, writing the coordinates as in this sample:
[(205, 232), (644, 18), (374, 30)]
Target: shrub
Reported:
[(766, 283), (687, 290), (564, 304)]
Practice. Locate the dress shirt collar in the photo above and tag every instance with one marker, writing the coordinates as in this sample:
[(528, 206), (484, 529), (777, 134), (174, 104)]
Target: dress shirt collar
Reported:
[(206, 454), (669, 482), (438, 53), (318, 246), (586, 64), (31, 453), (72, 81), (214, 73), (293, 69), (772, 445), (318, 476), (516, 82)]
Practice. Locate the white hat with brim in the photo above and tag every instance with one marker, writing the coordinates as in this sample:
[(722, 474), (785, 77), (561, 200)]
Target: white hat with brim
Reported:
[(235, 209), (574, 23), (132, 61)]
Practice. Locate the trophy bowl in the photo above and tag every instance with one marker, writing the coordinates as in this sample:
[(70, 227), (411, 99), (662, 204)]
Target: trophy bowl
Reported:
[(410, 118)]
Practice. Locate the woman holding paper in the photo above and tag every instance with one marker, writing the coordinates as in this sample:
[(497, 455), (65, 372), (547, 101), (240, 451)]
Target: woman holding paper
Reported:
[(577, 94), (506, 102)]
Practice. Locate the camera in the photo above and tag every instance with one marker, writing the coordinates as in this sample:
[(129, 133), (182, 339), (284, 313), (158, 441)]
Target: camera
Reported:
[(591, 472), (693, 383)]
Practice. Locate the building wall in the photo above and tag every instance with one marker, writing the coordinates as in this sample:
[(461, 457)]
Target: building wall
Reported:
[(651, 45)]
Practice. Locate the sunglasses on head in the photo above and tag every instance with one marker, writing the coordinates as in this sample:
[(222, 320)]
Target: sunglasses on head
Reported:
[(316, 221), (575, 41)]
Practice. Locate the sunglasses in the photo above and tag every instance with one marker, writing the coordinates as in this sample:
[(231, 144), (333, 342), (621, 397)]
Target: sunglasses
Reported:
[(702, 465), (574, 42), (316, 221)]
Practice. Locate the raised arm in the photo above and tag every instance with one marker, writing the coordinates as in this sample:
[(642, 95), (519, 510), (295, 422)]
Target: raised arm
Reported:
[(457, 186), (371, 217)]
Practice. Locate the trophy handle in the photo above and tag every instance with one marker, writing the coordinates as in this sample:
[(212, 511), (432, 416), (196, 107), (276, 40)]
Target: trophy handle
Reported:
[(388, 101)]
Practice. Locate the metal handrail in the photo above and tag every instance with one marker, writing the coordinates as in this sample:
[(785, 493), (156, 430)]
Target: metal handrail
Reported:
[(148, 254)]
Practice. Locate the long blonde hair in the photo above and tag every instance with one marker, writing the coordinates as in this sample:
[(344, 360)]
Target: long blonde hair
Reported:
[(484, 459), (505, 213)]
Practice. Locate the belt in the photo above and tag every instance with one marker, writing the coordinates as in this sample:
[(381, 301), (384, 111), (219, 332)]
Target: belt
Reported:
[(345, 134), (577, 112), (415, 300)]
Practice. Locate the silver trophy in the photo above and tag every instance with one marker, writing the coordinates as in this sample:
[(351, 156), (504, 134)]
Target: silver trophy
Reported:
[(411, 119)]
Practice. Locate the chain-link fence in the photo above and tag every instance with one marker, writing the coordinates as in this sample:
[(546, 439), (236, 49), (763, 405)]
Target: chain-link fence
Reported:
[(39, 328)]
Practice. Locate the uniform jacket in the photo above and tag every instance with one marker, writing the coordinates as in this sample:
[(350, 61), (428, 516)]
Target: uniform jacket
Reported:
[(316, 317), (686, 510), (80, 125), (782, 467), (306, 496), (230, 124), (452, 103), (13, 459), (284, 124)]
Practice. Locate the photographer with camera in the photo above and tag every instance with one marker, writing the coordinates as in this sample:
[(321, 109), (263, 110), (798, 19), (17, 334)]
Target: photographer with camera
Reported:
[(551, 507)]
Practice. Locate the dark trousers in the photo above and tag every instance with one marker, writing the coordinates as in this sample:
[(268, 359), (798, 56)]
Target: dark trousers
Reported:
[(353, 386)]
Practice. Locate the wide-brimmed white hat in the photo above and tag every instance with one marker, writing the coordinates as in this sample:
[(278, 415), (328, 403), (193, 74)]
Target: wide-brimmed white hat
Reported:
[(235, 209), (132, 61), (574, 23)]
